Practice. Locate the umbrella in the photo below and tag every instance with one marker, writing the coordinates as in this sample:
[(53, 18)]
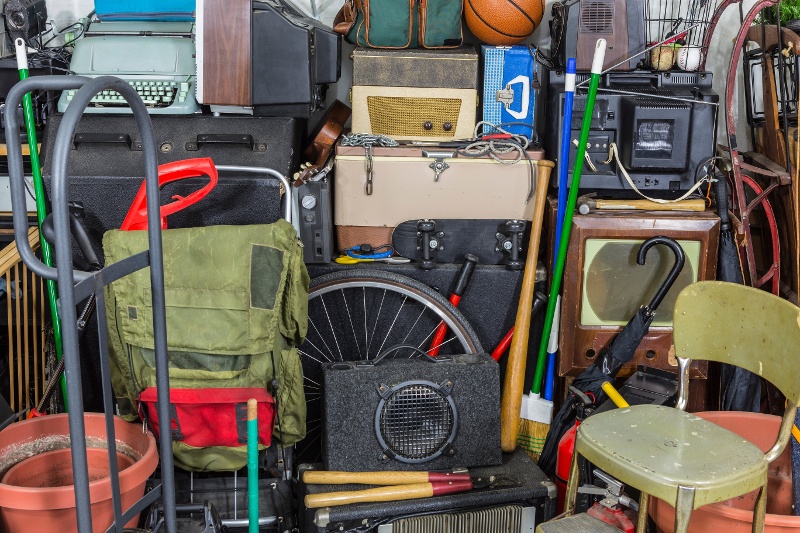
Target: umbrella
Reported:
[(612, 357), (741, 389)]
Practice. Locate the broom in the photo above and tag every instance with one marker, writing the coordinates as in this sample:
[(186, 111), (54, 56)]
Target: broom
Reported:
[(537, 413)]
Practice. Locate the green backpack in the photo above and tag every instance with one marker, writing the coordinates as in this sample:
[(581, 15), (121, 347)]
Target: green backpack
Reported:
[(401, 24), (237, 304)]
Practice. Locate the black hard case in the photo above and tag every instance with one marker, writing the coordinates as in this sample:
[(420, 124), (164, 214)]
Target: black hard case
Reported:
[(106, 167)]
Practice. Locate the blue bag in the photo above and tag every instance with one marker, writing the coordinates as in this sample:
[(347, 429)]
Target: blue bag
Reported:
[(508, 93)]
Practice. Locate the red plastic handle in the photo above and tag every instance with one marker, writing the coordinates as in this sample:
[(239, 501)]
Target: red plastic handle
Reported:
[(136, 219)]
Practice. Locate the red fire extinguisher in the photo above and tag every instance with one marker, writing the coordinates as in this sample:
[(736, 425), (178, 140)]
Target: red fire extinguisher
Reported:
[(566, 445)]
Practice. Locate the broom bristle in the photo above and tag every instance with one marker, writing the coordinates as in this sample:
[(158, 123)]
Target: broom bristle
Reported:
[(531, 437)]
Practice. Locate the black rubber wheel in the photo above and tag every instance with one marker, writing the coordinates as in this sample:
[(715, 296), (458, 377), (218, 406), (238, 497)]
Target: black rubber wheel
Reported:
[(355, 315)]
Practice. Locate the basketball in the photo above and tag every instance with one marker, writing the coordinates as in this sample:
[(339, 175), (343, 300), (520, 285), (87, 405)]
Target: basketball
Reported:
[(503, 22)]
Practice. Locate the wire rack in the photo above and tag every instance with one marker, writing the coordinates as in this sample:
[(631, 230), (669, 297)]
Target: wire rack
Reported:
[(683, 22)]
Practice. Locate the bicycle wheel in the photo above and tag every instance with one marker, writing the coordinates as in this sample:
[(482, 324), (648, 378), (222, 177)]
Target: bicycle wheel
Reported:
[(354, 315)]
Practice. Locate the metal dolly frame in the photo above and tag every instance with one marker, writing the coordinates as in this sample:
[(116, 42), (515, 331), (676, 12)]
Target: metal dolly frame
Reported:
[(74, 286)]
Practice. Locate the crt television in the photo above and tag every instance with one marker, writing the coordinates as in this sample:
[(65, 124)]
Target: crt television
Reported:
[(604, 286)]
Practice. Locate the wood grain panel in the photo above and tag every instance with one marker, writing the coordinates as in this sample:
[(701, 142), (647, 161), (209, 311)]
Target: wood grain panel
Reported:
[(226, 52)]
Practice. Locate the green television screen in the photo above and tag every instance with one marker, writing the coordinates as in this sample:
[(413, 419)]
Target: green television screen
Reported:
[(615, 286)]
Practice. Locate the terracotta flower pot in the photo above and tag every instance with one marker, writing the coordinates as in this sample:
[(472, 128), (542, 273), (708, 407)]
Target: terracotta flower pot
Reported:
[(736, 515), (36, 492)]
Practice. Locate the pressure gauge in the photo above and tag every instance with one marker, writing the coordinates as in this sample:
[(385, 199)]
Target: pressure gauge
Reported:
[(309, 201)]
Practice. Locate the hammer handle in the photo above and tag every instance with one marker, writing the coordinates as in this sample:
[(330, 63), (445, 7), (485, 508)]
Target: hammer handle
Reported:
[(647, 205)]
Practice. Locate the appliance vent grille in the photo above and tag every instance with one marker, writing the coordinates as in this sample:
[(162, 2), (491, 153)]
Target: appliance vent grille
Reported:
[(597, 16), (505, 518)]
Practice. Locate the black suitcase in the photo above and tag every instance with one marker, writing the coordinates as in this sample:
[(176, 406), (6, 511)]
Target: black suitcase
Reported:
[(106, 167), (513, 509)]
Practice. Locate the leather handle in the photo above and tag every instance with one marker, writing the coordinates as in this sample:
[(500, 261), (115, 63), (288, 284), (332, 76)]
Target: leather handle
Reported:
[(379, 494), (517, 356)]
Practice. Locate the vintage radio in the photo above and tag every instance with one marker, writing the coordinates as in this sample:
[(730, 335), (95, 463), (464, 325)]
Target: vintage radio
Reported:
[(577, 24), (415, 94), (604, 286)]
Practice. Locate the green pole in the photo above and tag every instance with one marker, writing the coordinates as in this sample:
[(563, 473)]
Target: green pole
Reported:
[(252, 465), (558, 271), (41, 208)]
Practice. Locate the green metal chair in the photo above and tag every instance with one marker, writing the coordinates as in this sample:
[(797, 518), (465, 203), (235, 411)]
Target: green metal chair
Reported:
[(676, 456)]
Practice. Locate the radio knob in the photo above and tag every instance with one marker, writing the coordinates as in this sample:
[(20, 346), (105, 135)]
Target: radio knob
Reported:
[(447, 126), (428, 125), (309, 201)]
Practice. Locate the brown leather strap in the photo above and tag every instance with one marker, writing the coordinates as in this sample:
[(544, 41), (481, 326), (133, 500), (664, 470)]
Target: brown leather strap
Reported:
[(345, 18), (321, 147)]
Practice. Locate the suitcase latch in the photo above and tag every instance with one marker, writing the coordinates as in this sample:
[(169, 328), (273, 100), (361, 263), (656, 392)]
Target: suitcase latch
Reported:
[(505, 96), (439, 165)]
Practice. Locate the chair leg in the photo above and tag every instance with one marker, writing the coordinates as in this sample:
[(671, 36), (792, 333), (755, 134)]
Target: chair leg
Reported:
[(760, 510), (683, 508), (572, 485), (644, 501)]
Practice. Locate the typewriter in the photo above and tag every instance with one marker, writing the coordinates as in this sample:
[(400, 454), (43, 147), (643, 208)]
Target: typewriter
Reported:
[(156, 58)]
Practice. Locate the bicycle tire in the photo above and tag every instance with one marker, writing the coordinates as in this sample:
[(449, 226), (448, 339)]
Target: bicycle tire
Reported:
[(318, 349)]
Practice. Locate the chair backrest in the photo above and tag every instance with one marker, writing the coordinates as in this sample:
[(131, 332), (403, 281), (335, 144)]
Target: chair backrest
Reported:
[(742, 326)]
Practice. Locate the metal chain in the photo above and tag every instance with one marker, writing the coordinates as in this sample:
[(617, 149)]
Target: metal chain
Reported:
[(367, 139)]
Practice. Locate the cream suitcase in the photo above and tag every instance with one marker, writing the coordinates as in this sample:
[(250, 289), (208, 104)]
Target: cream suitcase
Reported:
[(412, 182)]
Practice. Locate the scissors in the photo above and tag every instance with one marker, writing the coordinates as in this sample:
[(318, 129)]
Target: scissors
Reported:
[(348, 260)]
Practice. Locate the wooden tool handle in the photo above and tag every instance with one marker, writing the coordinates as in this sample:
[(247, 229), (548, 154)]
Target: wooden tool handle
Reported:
[(646, 205), (322, 477), (518, 354), (252, 409), (379, 494)]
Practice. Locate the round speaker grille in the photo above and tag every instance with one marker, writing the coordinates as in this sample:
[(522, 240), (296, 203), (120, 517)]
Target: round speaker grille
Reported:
[(416, 422)]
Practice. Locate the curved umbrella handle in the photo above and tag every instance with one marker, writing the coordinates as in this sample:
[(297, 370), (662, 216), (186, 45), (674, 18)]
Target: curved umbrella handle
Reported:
[(680, 260)]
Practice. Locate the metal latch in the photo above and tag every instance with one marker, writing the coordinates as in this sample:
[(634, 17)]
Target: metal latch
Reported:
[(368, 185), (439, 165), (505, 96)]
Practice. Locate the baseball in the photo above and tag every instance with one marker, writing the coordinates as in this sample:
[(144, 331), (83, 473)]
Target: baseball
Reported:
[(662, 57), (689, 58)]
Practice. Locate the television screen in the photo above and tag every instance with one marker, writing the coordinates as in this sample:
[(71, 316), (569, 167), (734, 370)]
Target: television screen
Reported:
[(615, 286)]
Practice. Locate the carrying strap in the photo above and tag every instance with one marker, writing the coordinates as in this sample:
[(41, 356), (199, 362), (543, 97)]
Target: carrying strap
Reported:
[(613, 154), (345, 18)]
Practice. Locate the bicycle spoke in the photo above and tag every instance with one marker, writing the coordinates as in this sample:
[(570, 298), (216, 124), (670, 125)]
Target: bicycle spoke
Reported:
[(380, 307), (352, 327), (443, 343), (333, 331), (394, 321), (316, 348), (322, 338), (414, 325)]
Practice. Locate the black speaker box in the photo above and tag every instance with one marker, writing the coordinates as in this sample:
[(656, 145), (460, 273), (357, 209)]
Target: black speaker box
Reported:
[(106, 167), (535, 493), (417, 413)]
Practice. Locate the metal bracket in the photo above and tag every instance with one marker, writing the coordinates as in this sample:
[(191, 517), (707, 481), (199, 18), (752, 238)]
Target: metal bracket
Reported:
[(439, 165), (505, 96)]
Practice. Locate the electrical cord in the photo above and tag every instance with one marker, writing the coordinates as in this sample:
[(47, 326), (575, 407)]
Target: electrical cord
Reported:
[(485, 143)]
